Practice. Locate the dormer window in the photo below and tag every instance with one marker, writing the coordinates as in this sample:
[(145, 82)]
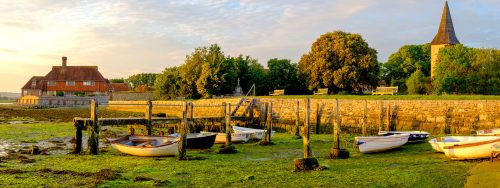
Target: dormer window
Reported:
[(88, 83), (70, 83), (51, 83)]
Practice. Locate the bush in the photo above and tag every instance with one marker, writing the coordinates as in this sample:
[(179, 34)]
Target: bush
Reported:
[(416, 83), (80, 94), (59, 93)]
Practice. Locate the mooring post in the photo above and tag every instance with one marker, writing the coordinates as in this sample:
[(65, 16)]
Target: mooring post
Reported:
[(224, 112), (307, 146), (93, 129), (250, 113), (318, 118), (270, 124), (365, 119), (336, 133), (297, 120), (381, 117), (77, 146), (149, 116), (228, 126), (388, 126), (182, 139), (191, 116)]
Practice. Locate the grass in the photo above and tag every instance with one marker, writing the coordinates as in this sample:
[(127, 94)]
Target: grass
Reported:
[(7, 101), (392, 97), (414, 165)]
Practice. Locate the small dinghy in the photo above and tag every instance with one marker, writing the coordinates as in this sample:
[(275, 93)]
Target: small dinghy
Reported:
[(147, 146), (438, 144), (373, 144), (489, 132), (472, 150), (256, 134), (235, 137), (415, 136), (198, 140)]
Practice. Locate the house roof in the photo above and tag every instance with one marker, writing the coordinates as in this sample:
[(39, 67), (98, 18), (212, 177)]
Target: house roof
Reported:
[(74, 73), (446, 32), (120, 86), (29, 84)]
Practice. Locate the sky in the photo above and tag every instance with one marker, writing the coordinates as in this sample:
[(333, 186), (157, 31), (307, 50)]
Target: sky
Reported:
[(125, 37)]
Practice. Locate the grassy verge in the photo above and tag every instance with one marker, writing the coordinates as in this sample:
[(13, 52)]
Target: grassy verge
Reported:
[(393, 97), (414, 165)]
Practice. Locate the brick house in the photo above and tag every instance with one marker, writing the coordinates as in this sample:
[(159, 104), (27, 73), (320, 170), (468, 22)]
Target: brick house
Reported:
[(68, 79)]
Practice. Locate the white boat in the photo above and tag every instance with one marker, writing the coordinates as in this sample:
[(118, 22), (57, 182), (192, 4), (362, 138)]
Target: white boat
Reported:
[(257, 134), (235, 137), (489, 132), (147, 146), (472, 150), (439, 143), (372, 144), (415, 136)]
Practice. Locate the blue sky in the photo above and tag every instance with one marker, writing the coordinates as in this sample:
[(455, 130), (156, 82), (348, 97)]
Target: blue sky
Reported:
[(126, 37)]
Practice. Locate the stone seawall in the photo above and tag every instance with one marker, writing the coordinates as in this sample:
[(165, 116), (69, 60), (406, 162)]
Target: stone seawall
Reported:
[(434, 116)]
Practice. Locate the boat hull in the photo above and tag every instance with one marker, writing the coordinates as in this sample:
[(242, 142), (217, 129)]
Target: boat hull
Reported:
[(415, 136), (489, 132), (256, 134), (474, 150), (147, 146), (198, 140), (438, 144), (374, 144), (235, 137)]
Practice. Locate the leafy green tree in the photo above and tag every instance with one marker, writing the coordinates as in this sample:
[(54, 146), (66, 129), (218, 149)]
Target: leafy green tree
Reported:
[(190, 72), (283, 75), (218, 74), (167, 84), (340, 61), (416, 83), (404, 63), (141, 79), (258, 76)]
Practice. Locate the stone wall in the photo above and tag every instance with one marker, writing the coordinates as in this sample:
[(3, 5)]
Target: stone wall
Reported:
[(132, 96), (60, 100)]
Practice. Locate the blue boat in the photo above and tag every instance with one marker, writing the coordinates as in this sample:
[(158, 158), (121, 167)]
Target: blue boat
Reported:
[(415, 136)]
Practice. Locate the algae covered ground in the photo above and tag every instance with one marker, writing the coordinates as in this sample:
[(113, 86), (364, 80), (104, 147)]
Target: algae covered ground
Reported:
[(414, 165)]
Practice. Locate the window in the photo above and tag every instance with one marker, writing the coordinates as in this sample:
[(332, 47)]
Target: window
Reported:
[(70, 83), (88, 83), (33, 84), (51, 83)]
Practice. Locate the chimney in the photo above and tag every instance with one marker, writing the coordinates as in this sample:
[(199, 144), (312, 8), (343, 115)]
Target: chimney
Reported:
[(64, 60)]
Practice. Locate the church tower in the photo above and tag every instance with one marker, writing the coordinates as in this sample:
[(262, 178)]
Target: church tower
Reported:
[(444, 37)]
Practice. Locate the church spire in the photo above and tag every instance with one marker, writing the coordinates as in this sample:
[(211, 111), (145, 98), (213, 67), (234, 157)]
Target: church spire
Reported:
[(446, 32)]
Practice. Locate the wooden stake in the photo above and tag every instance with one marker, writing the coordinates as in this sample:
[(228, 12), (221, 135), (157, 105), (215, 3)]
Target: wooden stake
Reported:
[(93, 129), (297, 120), (77, 146), (318, 118), (182, 139), (381, 117), (250, 114), (228, 126), (149, 116), (269, 125), (388, 126), (365, 119), (336, 133), (307, 146)]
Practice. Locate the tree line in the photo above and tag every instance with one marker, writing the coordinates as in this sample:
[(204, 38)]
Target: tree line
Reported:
[(340, 61)]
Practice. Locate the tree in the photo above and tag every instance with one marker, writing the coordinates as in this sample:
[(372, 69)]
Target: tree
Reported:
[(405, 62), (258, 76), (218, 74), (190, 72), (416, 83), (141, 79), (167, 84), (340, 61), (283, 75)]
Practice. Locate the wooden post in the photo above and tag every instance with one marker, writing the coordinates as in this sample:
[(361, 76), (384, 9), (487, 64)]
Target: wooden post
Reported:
[(297, 120), (365, 119), (93, 129), (228, 126), (269, 125), (224, 111), (307, 146), (381, 117), (388, 126), (77, 146), (318, 118), (336, 133), (182, 139), (191, 117), (250, 114), (149, 116)]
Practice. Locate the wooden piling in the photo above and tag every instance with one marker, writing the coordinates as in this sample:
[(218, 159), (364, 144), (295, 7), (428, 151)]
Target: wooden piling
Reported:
[(77, 146), (381, 116), (365, 119), (307, 146), (388, 126), (182, 139), (297, 120), (149, 116), (318, 118), (228, 126), (93, 129), (269, 125), (250, 113), (336, 130)]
